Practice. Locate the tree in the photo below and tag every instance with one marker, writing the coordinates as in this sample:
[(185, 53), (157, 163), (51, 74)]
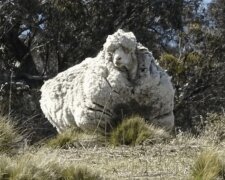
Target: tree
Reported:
[(197, 67), (42, 34)]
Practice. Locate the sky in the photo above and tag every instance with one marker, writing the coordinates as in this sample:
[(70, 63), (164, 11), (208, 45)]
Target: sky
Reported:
[(207, 1)]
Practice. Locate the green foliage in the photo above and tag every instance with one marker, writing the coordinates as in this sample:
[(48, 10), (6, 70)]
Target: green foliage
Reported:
[(36, 167), (208, 166), (134, 131), (185, 64), (193, 58), (172, 64), (9, 136)]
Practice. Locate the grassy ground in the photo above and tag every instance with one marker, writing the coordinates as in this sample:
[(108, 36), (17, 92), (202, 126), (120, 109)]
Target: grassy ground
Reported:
[(181, 156), (172, 160)]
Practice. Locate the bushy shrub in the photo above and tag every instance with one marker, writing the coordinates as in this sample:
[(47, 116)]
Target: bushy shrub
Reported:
[(172, 64), (208, 166), (193, 58), (181, 68), (9, 136), (134, 131)]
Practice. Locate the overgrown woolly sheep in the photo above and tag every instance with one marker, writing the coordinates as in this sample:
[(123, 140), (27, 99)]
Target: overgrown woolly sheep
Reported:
[(123, 79)]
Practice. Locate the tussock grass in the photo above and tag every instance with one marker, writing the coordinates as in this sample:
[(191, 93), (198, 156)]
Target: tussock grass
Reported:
[(39, 167), (9, 135), (175, 158), (73, 138), (208, 166), (134, 131), (64, 140)]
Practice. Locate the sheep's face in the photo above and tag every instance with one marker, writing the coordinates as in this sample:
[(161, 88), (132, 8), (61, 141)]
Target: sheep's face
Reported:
[(122, 58)]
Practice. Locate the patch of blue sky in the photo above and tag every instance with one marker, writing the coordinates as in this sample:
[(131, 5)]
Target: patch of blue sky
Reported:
[(172, 44), (207, 1), (25, 32), (40, 17)]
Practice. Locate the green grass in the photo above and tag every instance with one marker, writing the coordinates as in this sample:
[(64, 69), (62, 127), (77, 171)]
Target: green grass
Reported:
[(9, 135), (208, 166), (134, 131), (38, 167)]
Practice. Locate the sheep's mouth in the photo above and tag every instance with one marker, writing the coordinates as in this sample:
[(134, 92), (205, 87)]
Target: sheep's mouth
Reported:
[(118, 64), (121, 68)]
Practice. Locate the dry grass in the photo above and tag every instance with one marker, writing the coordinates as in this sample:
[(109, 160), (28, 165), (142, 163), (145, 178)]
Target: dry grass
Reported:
[(39, 166), (73, 138), (148, 162), (9, 136), (215, 128), (183, 156), (208, 166), (132, 131)]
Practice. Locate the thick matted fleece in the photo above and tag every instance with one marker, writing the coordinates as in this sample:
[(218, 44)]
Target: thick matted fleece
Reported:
[(98, 92)]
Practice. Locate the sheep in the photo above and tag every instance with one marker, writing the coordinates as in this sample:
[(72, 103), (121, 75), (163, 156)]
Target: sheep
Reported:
[(122, 79)]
